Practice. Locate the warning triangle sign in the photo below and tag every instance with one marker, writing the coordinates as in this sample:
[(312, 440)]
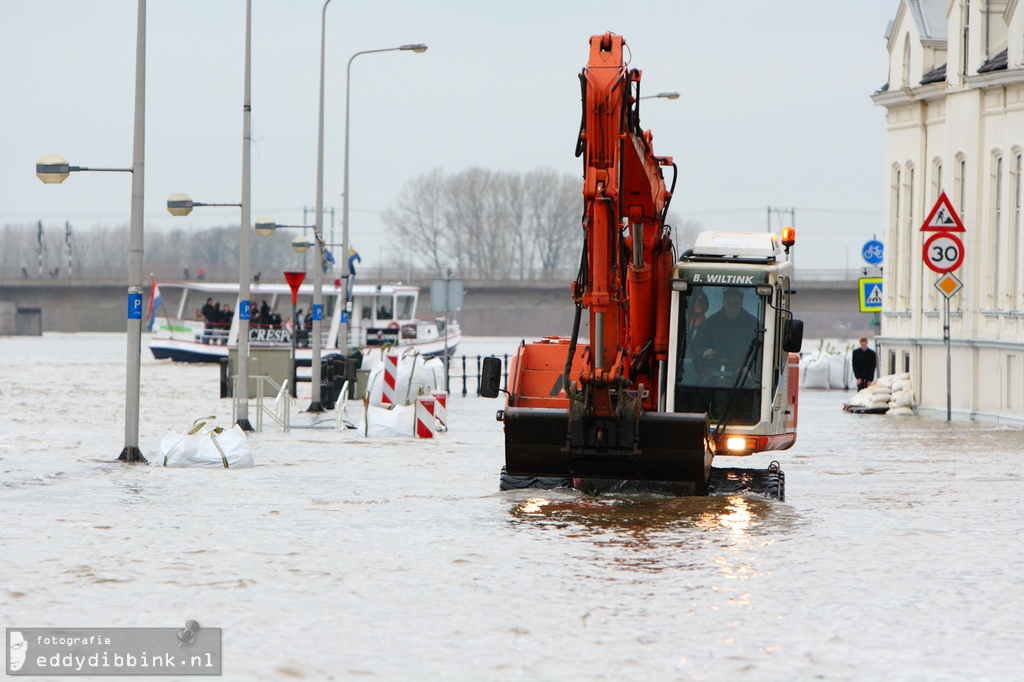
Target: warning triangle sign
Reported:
[(943, 218)]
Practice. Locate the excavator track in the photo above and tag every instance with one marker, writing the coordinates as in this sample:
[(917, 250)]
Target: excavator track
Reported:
[(770, 482)]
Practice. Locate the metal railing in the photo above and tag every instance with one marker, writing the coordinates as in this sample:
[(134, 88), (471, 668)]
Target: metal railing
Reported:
[(279, 409)]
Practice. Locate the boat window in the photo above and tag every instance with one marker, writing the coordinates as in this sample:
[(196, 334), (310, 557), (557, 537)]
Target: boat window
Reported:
[(406, 307), (385, 308), (719, 353)]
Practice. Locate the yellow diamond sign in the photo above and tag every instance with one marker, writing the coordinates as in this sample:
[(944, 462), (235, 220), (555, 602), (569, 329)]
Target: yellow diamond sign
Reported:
[(948, 284)]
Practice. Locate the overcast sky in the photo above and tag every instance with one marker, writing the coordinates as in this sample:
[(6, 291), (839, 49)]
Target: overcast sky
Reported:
[(775, 107)]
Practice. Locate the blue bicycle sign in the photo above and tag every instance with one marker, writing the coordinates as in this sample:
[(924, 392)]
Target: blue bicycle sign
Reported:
[(872, 252)]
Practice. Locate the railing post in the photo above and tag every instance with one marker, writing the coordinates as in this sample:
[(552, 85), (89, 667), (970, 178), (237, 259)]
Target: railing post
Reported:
[(463, 375)]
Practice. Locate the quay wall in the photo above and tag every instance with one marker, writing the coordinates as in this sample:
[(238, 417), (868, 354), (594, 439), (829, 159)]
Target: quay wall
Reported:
[(525, 308)]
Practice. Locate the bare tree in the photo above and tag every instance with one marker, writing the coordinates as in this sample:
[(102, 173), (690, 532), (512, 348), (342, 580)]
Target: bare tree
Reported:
[(420, 220)]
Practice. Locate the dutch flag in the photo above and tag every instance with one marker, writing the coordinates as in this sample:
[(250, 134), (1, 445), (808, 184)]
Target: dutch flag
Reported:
[(154, 302)]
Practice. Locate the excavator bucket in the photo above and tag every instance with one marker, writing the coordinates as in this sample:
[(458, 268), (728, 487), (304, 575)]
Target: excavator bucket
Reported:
[(665, 447)]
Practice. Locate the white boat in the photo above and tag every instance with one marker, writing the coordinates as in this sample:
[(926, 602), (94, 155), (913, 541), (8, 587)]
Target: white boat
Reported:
[(382, 315)]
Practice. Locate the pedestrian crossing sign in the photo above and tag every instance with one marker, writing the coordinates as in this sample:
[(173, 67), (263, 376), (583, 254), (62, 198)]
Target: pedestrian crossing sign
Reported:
[(870, 294)]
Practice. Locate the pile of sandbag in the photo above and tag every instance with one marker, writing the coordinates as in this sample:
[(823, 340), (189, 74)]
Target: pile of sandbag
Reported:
[(827, 367), (207, 445), (416, 376), (902, 401), (889, 394)]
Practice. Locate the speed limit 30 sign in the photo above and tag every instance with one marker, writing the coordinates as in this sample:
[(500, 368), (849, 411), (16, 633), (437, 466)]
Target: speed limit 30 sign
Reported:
[(943, 252)]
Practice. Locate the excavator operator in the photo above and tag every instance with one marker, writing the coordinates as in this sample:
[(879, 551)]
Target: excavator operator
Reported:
[(722, 340)]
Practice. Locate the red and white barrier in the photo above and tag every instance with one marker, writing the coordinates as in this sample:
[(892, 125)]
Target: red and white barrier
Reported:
[(424, 417), (390, 375), (441, 409)]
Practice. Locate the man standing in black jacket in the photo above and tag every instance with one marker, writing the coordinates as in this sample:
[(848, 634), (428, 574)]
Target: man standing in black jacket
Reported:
[(864, 363)]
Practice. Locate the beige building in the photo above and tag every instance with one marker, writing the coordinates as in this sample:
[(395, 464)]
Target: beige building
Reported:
[(954, 106)]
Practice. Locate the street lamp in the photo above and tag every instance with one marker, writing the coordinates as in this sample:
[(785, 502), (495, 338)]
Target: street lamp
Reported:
[(265, 227), (53, 169), (663, 95), (182, 204), (343, 329)]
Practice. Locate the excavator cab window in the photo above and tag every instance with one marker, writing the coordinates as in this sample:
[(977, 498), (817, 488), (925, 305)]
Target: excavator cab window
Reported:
[(720, 353)]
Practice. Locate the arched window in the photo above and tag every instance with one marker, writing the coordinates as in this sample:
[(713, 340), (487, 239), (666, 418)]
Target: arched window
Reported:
[(907, 232), (905, 78), (892, 238), (1015, 227), (936, 190), (997, 229)]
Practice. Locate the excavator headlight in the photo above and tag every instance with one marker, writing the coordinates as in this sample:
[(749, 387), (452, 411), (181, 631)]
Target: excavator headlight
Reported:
[(763, 290), (738, 443)]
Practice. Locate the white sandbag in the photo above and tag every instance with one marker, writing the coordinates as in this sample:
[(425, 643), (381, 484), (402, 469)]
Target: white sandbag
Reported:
[(814, 374), (902, 399), (885, 380), (380, 422), (416, 376), (878, 404), (901, 385), (861, 399), (207, 445), (840, 371), (901, 411)]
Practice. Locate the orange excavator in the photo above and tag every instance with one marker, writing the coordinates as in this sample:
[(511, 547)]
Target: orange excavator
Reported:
[(689, 357)]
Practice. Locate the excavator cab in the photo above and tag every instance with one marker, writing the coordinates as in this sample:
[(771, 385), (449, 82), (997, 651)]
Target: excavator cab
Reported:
[(734, 341)]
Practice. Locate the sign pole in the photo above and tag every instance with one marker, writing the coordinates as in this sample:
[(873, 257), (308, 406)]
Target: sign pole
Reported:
[(945, 333)]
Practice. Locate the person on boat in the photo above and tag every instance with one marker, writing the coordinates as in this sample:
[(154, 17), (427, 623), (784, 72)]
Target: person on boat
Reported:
[(210, 315)]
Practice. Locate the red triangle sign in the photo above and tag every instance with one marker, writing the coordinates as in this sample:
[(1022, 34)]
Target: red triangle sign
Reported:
[(943, 218)]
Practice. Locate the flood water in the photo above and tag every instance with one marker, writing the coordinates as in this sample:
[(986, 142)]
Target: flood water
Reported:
[(896, 556)]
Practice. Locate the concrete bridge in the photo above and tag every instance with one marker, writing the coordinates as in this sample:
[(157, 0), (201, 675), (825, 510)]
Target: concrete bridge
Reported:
[(828, 305)]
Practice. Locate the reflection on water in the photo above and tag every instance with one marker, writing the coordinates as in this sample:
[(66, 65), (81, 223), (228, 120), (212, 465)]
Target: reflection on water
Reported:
[(734, 515), (657, 532)]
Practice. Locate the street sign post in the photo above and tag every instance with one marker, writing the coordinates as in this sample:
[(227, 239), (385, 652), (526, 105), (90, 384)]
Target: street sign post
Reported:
[(870, 289), (943, 217), (943, 252), (872, 252)]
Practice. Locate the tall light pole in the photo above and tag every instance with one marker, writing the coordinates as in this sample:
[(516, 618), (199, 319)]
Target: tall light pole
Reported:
[(343, 328), (182, 204), (54, 169), (241, 402), (318, 274)]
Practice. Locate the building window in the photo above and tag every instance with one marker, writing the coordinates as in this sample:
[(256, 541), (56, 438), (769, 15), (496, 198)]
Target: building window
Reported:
[(1015, 240), (997, 228), (965, 43), (894, 236), (907, 235), (960, 184), (933, 293), (906, 61)]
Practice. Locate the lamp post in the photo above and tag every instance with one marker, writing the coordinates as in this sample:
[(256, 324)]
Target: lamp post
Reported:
[(343, 328), (318, 275), (49, 174), (182, 204)]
